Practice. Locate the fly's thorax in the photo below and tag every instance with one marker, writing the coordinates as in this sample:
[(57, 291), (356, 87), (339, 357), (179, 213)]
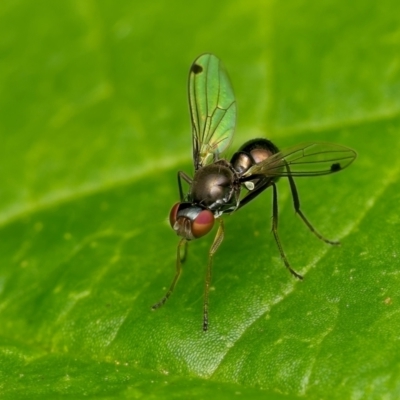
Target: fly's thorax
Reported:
[(213, 185)]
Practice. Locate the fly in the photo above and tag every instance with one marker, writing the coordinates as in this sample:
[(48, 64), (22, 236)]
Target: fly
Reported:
[(222, 187)]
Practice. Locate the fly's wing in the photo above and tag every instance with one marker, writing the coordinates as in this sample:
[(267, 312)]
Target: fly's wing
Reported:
[(307, 159), (212, 109)]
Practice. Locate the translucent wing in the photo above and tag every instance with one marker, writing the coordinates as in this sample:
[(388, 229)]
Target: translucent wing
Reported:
[(212, 109), (307, 159)]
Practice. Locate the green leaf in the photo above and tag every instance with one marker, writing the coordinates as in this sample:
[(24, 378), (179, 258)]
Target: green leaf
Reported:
[(94, 126)]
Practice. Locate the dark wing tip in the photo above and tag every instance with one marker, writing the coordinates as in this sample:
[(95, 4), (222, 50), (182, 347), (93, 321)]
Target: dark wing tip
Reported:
[(336, 167), (196, 69)]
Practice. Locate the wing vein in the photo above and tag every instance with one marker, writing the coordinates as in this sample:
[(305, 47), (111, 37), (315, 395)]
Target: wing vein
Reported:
[(213, 108)]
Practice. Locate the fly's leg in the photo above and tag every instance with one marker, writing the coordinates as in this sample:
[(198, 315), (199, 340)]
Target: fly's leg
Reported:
[(179, 259), (183, 253), (275, 231), (186, 178), (296, 204), (219, 237)]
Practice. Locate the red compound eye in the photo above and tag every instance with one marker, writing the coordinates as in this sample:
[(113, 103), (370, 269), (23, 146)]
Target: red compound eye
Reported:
[(172, 214), (203, 223)]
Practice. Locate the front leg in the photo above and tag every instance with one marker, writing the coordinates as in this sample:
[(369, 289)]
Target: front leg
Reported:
[(185, 177), (219, 237), (179, 260)]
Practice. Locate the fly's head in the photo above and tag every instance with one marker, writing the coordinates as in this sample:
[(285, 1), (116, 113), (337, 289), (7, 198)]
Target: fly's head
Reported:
[(191, 221)]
